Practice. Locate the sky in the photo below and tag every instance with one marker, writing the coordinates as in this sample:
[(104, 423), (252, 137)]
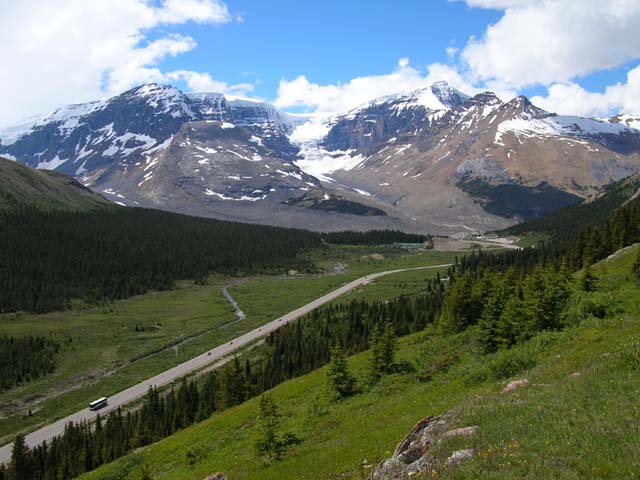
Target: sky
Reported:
[(577, 57)]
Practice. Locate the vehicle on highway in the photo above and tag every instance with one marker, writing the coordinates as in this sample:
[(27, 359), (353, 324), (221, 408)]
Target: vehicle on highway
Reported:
[(98, 404)]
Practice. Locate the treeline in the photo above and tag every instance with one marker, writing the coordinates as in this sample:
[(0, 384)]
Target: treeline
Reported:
[(589, 245), (48, 259), (374, 237), (25, 358)]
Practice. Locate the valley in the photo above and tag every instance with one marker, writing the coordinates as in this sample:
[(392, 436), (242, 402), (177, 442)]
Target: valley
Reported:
[(107, 349), (245, 240)]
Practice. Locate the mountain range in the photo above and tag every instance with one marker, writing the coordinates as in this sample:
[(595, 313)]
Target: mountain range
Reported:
[(431, 160)]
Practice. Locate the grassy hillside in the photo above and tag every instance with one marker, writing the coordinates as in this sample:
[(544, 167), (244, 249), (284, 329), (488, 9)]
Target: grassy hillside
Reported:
[(132, 339), (567, 222), (577, 418), (23, 187)]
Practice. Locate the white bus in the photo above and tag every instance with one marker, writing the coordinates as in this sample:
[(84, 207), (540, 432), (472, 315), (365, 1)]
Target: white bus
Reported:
[(98, 404)]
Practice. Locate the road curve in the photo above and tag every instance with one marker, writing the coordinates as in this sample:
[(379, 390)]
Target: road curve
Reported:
[(132, 393)]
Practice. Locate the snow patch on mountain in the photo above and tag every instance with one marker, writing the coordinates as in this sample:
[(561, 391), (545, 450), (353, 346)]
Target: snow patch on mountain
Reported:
[(558, 126), (52, 164)]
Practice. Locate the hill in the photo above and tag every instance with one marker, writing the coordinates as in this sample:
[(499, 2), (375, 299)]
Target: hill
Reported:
[(567, 222), (22, 187), (577, 398)]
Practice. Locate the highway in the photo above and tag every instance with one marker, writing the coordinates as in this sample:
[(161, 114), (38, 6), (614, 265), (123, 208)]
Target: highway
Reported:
[(132, 393)]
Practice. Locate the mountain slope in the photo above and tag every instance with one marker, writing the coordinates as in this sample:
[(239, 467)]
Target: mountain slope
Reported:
[(567, 222), (23, 187), (577, 399), (433, 159), (461, 161)]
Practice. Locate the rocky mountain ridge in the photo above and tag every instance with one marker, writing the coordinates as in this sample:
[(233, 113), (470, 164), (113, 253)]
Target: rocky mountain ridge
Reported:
[(433, 159)]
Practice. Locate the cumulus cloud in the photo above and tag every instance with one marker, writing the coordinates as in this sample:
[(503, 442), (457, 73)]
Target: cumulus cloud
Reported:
[(202, 82), (300, 92), (548, 41), (74, 50), (571, 98)]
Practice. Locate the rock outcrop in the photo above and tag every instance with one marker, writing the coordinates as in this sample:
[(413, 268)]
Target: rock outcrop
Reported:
[(416, 452)]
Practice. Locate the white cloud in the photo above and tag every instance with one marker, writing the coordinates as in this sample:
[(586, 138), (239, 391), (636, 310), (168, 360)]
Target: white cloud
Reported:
[(570, 98), (202, 82), (71, 51), (548, 41), (200, 11), (300, 92)]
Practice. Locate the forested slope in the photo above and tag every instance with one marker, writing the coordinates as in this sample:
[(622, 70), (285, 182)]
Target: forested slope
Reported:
[(49, 258), (567, 222)]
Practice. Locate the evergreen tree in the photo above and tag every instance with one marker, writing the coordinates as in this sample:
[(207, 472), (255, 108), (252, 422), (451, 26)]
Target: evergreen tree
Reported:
[(20, 465), (588, 281), (339, 378), (382, 351), (388, 347), (269, 444)]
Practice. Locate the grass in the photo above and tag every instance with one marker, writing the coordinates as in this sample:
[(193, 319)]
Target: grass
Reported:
[(532, 239), (99, 343), (578, 418), (582, 420)]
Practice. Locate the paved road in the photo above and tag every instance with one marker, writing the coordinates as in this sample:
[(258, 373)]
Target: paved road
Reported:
[(126, 396)]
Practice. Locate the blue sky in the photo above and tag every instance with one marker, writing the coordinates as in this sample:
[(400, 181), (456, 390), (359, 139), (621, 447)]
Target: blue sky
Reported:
[(570, 56), (330, 41)]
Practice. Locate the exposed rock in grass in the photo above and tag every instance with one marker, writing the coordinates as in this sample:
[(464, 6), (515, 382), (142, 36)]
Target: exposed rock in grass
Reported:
[(462, 432), (217, 476), (460, 455), (416, 453), (410, 454), (515, 384)]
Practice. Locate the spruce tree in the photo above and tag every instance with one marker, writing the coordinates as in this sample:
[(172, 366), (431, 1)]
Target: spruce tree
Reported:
[(588, 281), (20, 468), (339, 378), (268, 443), (388, 348)]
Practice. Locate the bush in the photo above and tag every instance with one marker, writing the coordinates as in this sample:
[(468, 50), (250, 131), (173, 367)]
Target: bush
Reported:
[(585, 306), (497, 366), (507, 363)]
